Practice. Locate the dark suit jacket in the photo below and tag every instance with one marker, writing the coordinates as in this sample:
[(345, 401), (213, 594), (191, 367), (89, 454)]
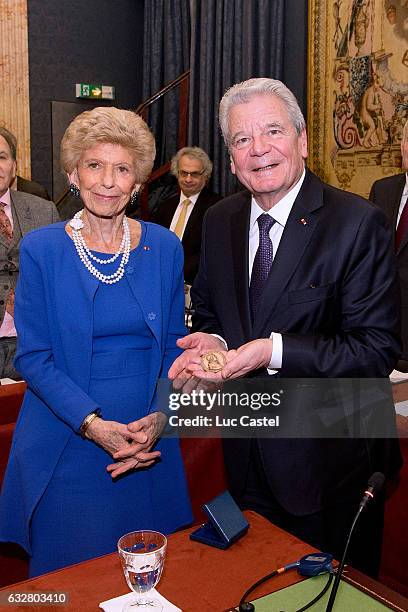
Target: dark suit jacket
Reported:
[(32, 187), (387, 193), (331, 293), (192, 234)]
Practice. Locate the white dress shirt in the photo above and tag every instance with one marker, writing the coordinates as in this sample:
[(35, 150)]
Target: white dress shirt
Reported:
[(193, 199)]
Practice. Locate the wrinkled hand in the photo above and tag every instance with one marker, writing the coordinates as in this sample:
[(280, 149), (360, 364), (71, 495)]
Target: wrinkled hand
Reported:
[(142, 435), (194, 346), (110, 435), (206, 377), (248, 357)]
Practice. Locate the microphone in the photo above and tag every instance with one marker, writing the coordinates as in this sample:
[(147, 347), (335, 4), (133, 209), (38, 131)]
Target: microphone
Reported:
[(374, 485)]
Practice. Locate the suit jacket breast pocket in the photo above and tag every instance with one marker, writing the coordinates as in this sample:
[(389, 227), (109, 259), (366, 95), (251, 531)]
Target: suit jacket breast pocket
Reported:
[(311, 294)]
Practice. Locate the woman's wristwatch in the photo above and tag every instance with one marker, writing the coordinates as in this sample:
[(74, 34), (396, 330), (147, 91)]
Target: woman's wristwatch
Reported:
[(87, 421)]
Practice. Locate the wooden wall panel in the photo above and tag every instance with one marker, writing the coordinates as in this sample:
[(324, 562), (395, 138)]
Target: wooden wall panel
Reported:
[(14, 88)]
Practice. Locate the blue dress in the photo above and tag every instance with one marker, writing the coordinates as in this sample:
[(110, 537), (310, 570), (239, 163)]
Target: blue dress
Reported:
[(83, 512)]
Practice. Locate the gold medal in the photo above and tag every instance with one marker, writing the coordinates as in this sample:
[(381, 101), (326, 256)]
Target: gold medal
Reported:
[(213, 361)]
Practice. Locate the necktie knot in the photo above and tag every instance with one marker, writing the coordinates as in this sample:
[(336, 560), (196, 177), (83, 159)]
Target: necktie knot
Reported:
[(265, 223)]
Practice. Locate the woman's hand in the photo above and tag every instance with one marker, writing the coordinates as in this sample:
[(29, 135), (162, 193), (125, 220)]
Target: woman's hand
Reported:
[(142, 435), (110, 435)]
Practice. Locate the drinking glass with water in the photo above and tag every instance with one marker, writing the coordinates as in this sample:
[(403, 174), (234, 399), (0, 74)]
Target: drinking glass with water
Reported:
[(142, 556)]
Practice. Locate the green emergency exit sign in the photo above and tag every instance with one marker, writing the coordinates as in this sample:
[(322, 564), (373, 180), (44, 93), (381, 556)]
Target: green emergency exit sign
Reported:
[(93, 91)]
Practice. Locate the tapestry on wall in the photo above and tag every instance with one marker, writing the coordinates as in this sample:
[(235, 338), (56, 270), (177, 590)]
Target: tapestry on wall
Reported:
[(357, 90)]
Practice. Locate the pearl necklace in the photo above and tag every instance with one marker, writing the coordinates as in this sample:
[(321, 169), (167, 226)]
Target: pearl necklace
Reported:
[(86, 256)]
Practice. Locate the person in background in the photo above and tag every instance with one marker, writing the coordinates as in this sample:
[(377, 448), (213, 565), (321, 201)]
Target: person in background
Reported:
[(298, 279), (20, 183), (99, 307), (391, 194), (184, 213), (19, 214)]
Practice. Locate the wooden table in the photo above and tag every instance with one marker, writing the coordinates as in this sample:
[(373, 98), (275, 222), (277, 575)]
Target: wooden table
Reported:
[(196, 578)]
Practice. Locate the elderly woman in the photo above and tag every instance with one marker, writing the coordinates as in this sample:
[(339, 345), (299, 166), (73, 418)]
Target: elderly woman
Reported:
[(99, 308)]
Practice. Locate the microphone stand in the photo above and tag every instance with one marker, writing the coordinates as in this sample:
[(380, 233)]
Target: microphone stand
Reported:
[(375, 483), (342, 563)]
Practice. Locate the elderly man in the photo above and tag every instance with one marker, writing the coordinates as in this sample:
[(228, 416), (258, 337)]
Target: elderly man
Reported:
[(184, 214), (19, 213), (391, 195), (298, 277)]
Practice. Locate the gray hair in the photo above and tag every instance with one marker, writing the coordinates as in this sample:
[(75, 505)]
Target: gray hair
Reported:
[(195, 153), (243, 92), (11, 141)]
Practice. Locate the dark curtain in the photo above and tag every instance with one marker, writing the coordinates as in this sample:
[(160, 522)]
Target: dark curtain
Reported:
[(231, 40), (166, 55), (224, 42)]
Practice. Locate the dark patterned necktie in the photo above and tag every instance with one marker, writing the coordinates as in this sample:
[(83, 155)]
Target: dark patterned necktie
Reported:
[(402, 227), (5, 224), (262, 262), (7, 230)]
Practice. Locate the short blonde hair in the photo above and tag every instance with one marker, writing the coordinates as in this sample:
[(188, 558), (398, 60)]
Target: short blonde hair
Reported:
[(107, 124)]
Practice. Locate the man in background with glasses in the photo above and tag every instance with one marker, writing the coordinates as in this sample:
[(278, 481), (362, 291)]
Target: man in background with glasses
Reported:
[(183, 214)]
